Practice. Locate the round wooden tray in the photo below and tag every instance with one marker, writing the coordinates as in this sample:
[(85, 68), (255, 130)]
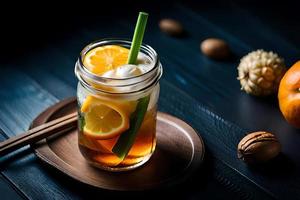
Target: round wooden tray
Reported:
[(179, 153)]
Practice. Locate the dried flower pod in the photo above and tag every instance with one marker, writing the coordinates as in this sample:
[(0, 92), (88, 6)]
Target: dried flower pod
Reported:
[(258, 147), (260, 72)]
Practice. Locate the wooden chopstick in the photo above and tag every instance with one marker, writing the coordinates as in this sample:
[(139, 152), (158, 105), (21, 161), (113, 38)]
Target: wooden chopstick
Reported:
[(59, 125)]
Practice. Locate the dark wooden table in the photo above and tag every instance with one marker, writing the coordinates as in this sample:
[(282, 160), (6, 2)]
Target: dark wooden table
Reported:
[(37, 61)]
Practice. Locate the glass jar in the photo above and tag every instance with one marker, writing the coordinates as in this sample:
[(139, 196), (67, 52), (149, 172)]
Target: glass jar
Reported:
[(124, 108)]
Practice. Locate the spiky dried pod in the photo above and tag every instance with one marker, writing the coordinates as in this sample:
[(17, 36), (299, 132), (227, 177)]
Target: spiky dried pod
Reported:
[(260, 72)]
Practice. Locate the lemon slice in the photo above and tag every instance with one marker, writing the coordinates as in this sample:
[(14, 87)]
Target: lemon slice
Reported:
[(105, 58), (104, 119)]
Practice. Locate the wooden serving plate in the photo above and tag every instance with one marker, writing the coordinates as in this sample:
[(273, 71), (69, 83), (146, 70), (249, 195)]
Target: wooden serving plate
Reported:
[(179, 153)]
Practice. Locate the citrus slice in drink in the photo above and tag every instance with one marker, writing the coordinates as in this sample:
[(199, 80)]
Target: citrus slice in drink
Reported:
[(105, 119), (105, 58), (92, 144)]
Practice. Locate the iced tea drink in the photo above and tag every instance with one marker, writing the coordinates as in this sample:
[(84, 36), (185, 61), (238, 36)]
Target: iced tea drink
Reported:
[(117, 104)]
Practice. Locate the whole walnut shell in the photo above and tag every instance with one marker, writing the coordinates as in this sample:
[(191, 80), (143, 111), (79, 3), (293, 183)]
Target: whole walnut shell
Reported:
[(258, 147), (260, 72)]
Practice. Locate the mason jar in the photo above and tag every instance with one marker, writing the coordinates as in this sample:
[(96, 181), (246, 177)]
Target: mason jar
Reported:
[(117, 116)]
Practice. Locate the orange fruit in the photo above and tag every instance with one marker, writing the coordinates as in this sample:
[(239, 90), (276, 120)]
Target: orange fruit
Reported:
[(105, 58), (105, 119), (289, 95)]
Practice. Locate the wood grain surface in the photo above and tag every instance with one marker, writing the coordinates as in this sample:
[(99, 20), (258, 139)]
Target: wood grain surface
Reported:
[(201, 91)]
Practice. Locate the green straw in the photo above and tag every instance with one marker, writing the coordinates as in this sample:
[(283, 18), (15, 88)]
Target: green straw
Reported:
[(126, 140), (137, 37)]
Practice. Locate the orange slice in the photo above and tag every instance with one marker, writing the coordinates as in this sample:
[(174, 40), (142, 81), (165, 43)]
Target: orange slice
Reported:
[(110, 160), (105, 119), (92, 144), (105, 58)]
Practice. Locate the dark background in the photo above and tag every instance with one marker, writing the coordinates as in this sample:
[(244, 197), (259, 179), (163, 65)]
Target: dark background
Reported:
[(39, 46), (25, 27)]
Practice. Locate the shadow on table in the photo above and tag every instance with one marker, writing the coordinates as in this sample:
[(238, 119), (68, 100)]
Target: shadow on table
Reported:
[(201, 183), (279, 167)]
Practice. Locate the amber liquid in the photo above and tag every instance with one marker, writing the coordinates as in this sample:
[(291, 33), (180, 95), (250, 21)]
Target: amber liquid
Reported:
[(99, 152)]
